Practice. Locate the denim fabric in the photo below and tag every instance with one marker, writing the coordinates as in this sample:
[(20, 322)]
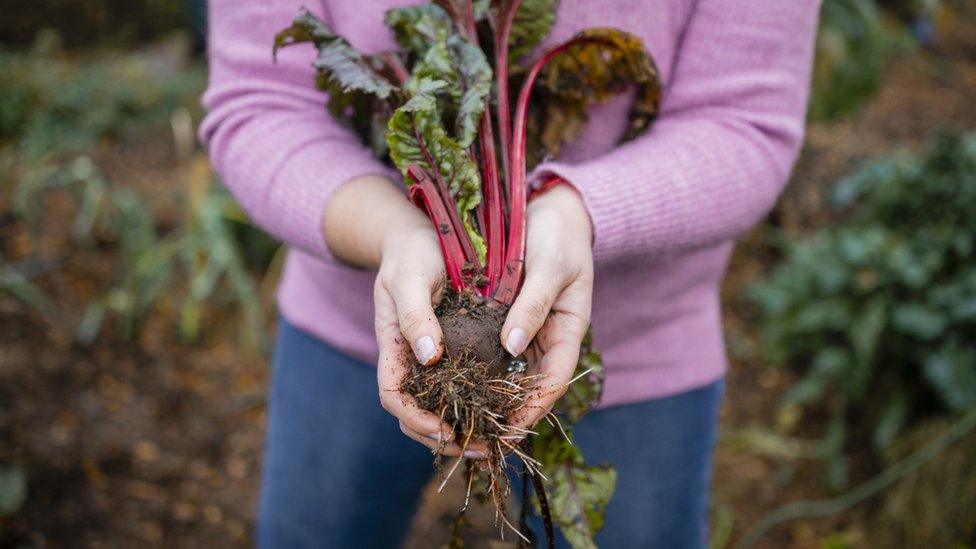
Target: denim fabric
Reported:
[(339, 473)]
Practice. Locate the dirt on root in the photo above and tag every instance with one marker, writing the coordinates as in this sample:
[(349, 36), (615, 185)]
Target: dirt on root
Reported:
[(475, 388), (472, 324)]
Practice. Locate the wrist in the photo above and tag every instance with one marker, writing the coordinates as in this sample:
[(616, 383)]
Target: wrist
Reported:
[(403, 227), (361, 216), (562, 198)]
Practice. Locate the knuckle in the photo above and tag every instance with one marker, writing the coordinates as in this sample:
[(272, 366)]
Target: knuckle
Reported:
[(412, 321), (535, 308), (379, 287)]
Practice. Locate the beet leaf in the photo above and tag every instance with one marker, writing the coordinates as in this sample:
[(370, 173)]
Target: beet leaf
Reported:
[(531, 22), (580, 398), (578, 493), (603, 63)]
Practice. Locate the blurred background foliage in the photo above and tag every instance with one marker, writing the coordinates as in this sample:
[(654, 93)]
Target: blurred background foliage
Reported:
[(56, 110), (91, 23), (881, 307), (118, 246)]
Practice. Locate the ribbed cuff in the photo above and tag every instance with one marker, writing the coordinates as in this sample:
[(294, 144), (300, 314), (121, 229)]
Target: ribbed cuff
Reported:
[(609, 213)]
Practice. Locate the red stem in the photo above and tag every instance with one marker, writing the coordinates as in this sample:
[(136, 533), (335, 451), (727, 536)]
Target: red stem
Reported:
[(493, 202), (502, 35), (469, 25), (393, 61), (424, 192), (452, 211), (540, 495), (515, 252)]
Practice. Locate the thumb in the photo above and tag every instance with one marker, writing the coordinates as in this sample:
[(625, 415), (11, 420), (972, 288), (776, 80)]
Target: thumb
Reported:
[(417, 320), (530, 311)]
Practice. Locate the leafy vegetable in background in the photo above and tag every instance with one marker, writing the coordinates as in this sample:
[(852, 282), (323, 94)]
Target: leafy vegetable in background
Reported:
[(443, 112), (881, 310)]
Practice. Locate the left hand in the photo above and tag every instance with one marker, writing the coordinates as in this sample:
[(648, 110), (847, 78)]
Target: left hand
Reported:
[(552, 310)]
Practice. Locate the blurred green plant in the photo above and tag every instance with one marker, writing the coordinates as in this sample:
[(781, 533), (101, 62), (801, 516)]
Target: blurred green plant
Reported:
[(197, 264), (93, 22), (880, 311), (53, 102), (854, 43), (853, 46), (13, 489), (55, 113)]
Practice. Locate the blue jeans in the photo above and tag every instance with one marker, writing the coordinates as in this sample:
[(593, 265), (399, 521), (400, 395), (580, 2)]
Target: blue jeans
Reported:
[(339, 473)]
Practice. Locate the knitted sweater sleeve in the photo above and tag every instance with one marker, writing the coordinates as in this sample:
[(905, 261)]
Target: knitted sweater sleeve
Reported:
[(730, 127), (277, 151)]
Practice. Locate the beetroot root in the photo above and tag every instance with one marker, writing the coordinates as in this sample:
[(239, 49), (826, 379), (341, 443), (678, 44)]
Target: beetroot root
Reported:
[(472, 324)]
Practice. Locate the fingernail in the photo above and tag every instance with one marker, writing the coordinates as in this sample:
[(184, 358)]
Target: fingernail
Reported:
[(435, 436), (425, 349), (473, 454), (517, 341)]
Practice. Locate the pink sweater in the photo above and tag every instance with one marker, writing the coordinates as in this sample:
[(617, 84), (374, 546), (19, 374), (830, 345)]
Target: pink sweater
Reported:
[(665, 207)]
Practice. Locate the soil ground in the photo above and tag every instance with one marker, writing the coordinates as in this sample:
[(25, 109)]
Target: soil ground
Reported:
[(156, 442)]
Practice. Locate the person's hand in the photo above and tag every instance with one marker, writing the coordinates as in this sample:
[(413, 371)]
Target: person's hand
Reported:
[(554, 303), (410, 283)]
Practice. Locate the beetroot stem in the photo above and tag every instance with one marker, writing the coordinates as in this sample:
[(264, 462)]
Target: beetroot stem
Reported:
[(492, 192), (452, 210), (395, 64), (515, 252), (502, 34), (425, 194)]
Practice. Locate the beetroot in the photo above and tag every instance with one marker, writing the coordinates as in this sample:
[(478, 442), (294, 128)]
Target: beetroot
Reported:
[(471, 324)]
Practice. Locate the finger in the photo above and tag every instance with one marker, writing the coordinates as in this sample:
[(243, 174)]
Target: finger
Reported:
[(450, 449), (395, 361), (558, 365), (531, 309), (415, 315)]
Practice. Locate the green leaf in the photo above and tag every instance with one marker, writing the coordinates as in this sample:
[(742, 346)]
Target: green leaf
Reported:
[(345, 68), (603, 63), (13, 489), (584, 393), (919, 320), (864, 334), (952, 371), (852, 50), (474, 75), (358, 84), (837, 471), (465, 70), (532, 22), (417, 127), (806, 390), (451, 79), (17, 285), (829, 364), (417, 27), (578, 493), (892, 420)]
